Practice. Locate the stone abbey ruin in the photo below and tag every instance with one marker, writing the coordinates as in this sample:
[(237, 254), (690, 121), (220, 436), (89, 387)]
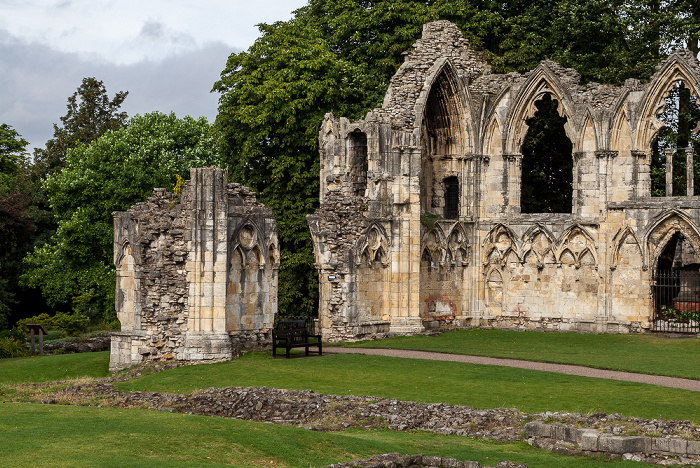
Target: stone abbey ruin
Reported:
[(196, 274), (420, 223), (447, 141)]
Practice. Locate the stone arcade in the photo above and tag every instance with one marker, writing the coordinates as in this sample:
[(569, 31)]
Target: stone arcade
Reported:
[(196, 274), (447, 140)]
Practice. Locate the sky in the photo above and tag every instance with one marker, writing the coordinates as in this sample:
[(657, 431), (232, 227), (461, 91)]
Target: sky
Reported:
[(166, 53)]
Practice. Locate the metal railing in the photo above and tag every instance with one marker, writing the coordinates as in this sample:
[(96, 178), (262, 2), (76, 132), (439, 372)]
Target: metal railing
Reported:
[(676, 296)]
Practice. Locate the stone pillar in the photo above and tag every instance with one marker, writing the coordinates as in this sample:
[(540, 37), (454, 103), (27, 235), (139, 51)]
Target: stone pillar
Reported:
[(514, 174), (605, 158), (641, 175), (669, 172), (690, 190), (206, 266)]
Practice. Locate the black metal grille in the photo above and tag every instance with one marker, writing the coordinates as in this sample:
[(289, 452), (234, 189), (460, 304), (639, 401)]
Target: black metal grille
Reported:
[(451, 197), (676, 301)]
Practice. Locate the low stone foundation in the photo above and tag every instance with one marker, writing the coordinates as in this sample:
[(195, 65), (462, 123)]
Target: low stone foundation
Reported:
[(396, 460), (567, 439)]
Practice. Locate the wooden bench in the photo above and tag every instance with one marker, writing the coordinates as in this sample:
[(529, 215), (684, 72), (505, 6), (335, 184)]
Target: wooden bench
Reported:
[(294, 333)]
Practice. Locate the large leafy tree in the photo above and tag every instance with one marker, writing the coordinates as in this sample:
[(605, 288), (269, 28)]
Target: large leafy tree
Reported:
[(16, 226), (91, 113), (112, 173)]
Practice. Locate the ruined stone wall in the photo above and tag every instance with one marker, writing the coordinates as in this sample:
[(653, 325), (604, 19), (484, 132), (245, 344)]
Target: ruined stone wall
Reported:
[(447, 123), (196, 273)]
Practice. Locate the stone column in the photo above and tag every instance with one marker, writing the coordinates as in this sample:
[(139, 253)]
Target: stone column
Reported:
[(690, 190), (604, 176), (206, 266), (514, 174), (641, 175), (669, 172)]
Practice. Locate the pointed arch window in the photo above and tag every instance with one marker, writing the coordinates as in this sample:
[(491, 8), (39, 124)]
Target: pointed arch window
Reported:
[(357, 144)]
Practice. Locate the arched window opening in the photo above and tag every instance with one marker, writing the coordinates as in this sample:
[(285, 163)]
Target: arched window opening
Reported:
[(451, 197), (547, 165), (358, 162), (680, 116), (443, 136), (676, 287)]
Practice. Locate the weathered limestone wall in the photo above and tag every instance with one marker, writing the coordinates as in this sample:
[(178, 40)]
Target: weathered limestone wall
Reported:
[(196, 274), (420, 224)]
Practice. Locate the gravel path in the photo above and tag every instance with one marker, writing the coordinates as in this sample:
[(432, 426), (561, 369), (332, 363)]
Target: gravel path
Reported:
[(685, 384)]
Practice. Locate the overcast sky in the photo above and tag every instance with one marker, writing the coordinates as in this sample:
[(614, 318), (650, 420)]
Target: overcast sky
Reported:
[(166, 53)]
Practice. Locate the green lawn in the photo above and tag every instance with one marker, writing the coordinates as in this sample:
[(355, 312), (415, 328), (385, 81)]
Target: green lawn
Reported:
[(50, 436), (53, 368), (645, 354), (431, 381)]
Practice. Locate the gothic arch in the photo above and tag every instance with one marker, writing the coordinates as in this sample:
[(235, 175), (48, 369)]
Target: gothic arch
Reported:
[(681, 65), (246, 238), (444, 86), (577, 240), (621, 238), (539, 249), (493, 138), (541, 81), (499, 243), (663, 228), (373, 245), (458, 245)]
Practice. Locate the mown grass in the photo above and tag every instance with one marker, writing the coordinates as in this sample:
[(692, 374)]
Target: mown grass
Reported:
[(644, 354), (37, 369), (40, 435), (431, 382)]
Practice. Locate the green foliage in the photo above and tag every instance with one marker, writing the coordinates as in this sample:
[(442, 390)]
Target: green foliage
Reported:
[(71, 324), (114, 172), (547, 174), (12, 149), (11, 348), (429, 219), (90, 114)]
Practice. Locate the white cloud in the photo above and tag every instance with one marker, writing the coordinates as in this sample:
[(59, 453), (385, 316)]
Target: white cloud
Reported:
[(167, 54)]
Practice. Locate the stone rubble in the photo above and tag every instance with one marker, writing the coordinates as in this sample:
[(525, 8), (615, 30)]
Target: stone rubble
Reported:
[(613, 436)]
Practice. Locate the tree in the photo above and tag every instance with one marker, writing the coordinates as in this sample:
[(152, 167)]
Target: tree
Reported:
[(12, 150), (90, 114), (16, 226), (112, 173)]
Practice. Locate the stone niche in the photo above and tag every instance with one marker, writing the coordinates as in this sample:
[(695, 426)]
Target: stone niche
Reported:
[(420, 224), (196, 273)]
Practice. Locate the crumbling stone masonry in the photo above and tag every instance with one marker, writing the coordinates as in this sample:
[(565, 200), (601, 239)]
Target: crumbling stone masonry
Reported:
[(196, 273), (447, 142)]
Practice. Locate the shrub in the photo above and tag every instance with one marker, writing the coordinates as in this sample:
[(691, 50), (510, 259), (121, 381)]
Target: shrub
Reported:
[(14, 333), (10, 347), (70, 324)]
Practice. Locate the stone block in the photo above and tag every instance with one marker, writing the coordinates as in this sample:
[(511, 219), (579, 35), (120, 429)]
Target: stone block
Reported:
[(588, 440), (693, 447), (620, 445)]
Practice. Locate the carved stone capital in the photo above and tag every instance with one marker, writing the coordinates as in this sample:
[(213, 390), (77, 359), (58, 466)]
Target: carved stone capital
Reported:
[(578, 155), (513, 157), (606, 154)]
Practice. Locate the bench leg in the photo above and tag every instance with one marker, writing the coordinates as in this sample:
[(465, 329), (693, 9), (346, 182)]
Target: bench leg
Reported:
[(320, 349), (306, 348), (288, 349)]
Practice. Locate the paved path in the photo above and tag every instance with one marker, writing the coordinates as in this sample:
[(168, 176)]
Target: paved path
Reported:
[(686, 384)]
